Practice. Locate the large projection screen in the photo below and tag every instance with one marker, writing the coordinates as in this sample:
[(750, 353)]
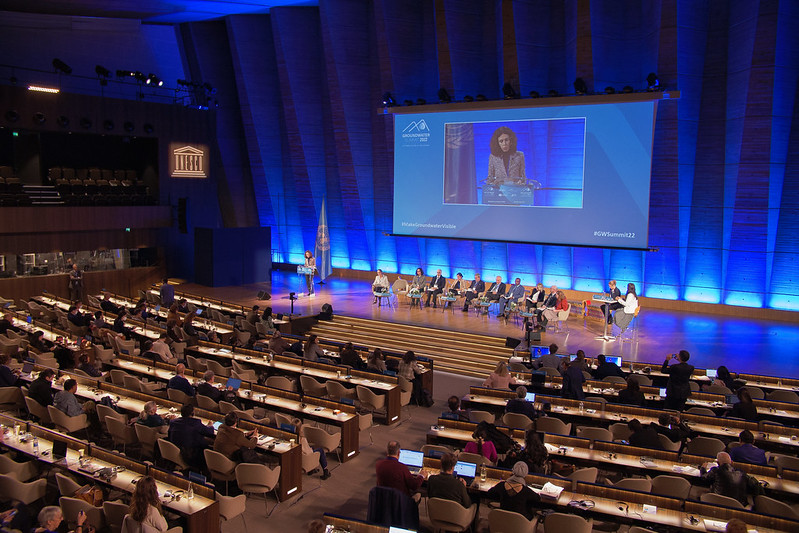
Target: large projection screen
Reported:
[(564, 174)]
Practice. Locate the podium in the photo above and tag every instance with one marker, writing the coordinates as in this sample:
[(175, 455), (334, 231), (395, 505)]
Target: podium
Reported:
[(508, 194), (303, 271)]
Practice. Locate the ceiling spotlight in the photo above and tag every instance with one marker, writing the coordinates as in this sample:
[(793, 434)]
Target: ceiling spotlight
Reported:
[(481, 98), (627, 89), (580, 87), (443, 96), (108, 124), (552, 93), (610, 90), (407, 102), (39, 118), (102, 72), (12, 115), (534, 94), (60, 66), (128, 126), (85, 123), (652, 82), (421, 101), (153, 80), (388, 100), (62, 121), (148, 128), (468, 98), (508, 91)]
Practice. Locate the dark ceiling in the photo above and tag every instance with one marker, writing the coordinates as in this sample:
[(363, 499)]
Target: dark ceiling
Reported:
[(149, 11)]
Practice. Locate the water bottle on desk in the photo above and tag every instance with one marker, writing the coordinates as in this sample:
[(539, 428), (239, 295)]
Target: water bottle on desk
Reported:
[(190, 492), (36, 446), (483, 472)]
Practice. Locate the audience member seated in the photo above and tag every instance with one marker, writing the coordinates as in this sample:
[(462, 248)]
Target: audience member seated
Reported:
[(736, 525), (551, 359), (573, 378), (632, 395), (183, 306), (99, 326), (89, 367), (500, 378), (161, 350), (37, 341), (66, 401), (481, 445), (41, 389), (411, 370), (150, 418), (8, 378), (393, 474), (520, 405), (253, 317), (145, 506), (723, 377), (108, 306), (209, 389), (120, 327), (307, 449), (350, 357), (179, 381), (455, 412), (670, 425), (678, 388), (268, 320), (534, 454), (50, 518), (606, 368), (234, 443), (75, 317), (514, 495), (446, 485), (643, 436), (747, 452), (7, 323), (745, 408), (376, 361), (278, 344), (190, 335), (727, 480), (189, 434), (312, 351)]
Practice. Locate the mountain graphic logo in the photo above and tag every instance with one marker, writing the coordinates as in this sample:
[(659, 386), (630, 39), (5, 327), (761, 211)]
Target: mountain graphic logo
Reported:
[(419, 125)]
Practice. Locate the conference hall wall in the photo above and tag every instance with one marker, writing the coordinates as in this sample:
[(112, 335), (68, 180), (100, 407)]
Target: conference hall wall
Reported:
[(725, 169)]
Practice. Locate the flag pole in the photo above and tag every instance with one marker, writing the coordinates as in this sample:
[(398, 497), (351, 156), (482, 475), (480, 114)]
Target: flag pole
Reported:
[(322, 247)]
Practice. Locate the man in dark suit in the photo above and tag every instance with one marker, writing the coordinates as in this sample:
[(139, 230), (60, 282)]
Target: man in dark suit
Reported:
[(496, 290), (515, 293), (614, 293), (40, 388), (189, 434), (391, 473), (550, 301), (475, 289), (179, 381), (520, 404), (606, 368), (678, 388), (108, 306), (436, 287)]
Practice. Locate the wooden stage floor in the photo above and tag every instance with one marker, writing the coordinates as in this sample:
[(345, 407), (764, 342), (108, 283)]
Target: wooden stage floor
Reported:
[(742, 344)]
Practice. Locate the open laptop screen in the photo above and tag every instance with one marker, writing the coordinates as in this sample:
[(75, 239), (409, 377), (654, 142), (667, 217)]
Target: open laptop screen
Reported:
[(711, 372), (411, 458), (615, 359), (466, 469), (530, 397)]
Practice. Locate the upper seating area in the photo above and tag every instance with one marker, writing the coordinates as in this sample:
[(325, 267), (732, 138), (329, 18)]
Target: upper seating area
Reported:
[(95, 186)]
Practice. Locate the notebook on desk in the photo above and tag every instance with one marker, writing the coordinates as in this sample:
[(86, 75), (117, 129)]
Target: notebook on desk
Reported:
[(413, 459), (468, 471)]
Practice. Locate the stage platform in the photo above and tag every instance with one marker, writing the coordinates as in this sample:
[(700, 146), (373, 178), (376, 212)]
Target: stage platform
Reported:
[(742, 343)]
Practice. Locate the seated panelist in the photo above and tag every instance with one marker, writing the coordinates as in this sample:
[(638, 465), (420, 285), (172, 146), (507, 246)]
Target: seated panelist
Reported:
[(496, 290), (435, 288), (515, 294), (476, 288)]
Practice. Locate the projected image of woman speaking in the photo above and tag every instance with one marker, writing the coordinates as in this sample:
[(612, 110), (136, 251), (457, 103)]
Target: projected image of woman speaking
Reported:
[(506, 163)]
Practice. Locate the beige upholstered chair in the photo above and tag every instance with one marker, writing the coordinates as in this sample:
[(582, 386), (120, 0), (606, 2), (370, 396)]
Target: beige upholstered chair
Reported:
[(114, 513), (171, 453), (72, 506), (232, 506), (311, 387), (147, 438), (220, 467), (13, 489), (634, 483), (671, 486), (68, 424), (121, 433), (319, 438), (517, 420), (450, 515), (560, 522), (258, 479), (500, 521), (482, 416), (22, 471)]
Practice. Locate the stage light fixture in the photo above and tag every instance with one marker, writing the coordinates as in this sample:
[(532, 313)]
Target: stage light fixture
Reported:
[(128, 126), (39, 118), (443, 96), (534, 94), (154, 80), (388, 100), (509, 92), (140, 77), (12, 115), (627, 89), (125, 73), (652, 82), (148, 128), (468, 98), (62, 121), (580, 87), (610, 90), (85, 123), (108, 124), (40, 89), (552, 93), (102, 72), (60, 66), (481, 98), (421, 101)]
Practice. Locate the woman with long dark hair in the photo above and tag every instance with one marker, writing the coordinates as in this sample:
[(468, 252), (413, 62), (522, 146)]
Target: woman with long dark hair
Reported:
[(745, 408), (145, 507), (624, 316), (312, 351), (506, 163), (481, 445), (310, 262)]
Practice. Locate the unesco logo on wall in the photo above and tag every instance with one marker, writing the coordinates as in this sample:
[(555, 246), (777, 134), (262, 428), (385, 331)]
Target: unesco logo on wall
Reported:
[(417, 133), (188, 161)]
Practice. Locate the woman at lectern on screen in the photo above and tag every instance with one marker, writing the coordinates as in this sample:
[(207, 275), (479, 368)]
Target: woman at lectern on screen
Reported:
[(505, 164), (310, 261)]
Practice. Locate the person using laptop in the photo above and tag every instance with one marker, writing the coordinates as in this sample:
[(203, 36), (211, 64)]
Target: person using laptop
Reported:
[(727, 480), (446, 485), (745, 408), (209, 389), (8, 378), (551, 359), (234, 443), (520, 405), (514, 495), (605, 368), (393, 474), (179, 381), (189, 434), (747, 452)]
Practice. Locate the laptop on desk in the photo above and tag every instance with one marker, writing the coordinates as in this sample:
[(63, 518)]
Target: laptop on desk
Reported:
[(235, 383), (711, 373), (413, 459), (467, 471)]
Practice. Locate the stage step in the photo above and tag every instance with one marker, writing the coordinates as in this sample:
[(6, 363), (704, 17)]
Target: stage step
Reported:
[(466, 354)]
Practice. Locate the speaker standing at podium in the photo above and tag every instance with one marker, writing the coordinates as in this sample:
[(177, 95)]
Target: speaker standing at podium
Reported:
[(505, 164), (310, 261)]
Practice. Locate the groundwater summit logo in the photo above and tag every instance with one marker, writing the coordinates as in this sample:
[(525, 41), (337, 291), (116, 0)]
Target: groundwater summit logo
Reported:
[(417, 133)]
